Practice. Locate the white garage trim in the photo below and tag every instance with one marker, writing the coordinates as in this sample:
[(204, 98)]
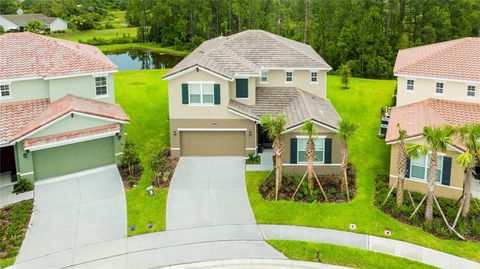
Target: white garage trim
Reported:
[(70, 141), (213, 129)]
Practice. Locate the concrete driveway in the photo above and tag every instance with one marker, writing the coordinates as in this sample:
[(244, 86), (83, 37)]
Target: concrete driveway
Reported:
[(75, 210), (208, 191)]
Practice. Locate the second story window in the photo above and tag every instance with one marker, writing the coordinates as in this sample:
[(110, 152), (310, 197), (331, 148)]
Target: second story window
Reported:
[(471, 91), (201, 93), (289, 77), (264, 76), (313, 77), (439, 88), (410, 84), (101, 86), (5, 91)]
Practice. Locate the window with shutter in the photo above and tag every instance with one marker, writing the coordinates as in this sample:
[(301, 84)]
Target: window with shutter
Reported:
[(241, 87)]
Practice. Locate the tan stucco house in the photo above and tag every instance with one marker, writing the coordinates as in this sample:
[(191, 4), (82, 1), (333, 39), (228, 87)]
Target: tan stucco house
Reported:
[(438, 84), (57, 108), (218, 93)]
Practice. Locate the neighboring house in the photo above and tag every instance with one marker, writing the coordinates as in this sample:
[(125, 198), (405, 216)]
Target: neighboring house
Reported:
[(218, 93), (438, 84), (15, 22), (57, 107), (447, 70)]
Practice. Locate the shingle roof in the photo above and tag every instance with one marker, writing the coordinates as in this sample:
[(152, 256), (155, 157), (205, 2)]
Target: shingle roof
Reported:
[(247, 52), (27, 55), (298, 106), (455, 59), (16, 115), (41, 140), (70, 103), (431, 112), (25, 18)]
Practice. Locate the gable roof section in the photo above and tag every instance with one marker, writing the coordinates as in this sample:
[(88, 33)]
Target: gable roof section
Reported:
[(25, 18), (456, 59), (72, 104), (247, 52), (431, 112), (29, 55), (298, 106)]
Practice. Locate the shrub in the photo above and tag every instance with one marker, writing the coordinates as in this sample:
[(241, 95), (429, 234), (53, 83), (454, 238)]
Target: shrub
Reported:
[(23, 185), (346, 75), (162, 166), (475, 227), (253, 158), (34, 26), (130, 158)]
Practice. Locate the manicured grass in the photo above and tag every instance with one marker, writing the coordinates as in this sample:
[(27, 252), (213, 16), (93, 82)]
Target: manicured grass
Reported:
[(143, 96), (361, 104), (343, 256), (14, 220), (90, 34), (141, 46)]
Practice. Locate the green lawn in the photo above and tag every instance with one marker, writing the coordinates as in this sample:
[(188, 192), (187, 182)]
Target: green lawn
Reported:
[(141, 46), (343, 256), (90, 34), (361, 104), (143, 96)]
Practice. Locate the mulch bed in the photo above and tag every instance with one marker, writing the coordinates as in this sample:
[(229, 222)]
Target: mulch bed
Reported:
[(124, 173)]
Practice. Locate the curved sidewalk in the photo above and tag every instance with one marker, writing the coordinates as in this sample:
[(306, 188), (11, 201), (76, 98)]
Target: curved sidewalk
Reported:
[(257, 263)]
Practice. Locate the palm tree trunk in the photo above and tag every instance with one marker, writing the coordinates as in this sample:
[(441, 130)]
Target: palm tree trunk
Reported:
[(467, 192), (401, 167), (432, 176), (310, 158), (344, 186), (277, 146)]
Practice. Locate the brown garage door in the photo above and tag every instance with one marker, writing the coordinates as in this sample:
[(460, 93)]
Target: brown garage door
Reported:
[(218, 143)]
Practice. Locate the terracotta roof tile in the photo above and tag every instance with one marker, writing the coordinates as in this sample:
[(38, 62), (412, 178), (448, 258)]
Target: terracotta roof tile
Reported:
[(16, 115), (455, 59), (41, 140), (26, 55)]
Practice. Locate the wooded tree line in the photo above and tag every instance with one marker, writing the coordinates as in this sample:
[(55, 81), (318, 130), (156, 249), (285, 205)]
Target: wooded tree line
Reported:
[(365, 34)]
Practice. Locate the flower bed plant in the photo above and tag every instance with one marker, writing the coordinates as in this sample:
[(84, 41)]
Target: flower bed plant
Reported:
[(253, 158), (23, 185), (163, 166), (129, 165)]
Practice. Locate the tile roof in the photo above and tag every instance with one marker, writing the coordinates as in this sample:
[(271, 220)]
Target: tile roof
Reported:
[(70, 103), (14, 116), (455, 59), (25, 18), (29, 55), (431, 112), (298, 106), (247, 52), (41, 140)]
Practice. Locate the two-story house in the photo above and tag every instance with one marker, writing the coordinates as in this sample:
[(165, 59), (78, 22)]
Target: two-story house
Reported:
[(218, 93), (57, 107), (438, 84)]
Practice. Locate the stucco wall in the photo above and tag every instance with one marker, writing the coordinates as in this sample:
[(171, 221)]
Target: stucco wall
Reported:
[(58, 25), (7, 25), (71, 124), (425, 88), (83, 86), (301, 79), (27, 90), (251, 92), (453, 191)]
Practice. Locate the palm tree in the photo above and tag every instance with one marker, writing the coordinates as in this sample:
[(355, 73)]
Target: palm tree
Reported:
[(401, 164), (436, 140), (275, 126), (311, 131), (470, 137), (345, 131)]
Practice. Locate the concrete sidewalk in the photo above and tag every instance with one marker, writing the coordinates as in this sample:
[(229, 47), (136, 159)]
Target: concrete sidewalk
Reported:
[(256, 263)]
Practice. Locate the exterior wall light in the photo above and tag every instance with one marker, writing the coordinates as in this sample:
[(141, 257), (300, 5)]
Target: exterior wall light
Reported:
[(174, 132), (250, 133), (25, 154)]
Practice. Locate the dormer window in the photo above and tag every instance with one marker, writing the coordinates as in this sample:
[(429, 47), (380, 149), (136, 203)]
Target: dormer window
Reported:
[(471, 91), (264, 76), (289, 77), (101, 86), (439, 88), (410, 84), (5, 91), (313, 77)]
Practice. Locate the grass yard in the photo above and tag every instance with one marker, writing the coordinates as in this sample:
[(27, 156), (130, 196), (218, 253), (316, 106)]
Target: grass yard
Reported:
[(143, 96), (90, 34), (361, 104), (14, 220), (343, 256), (141, 46)]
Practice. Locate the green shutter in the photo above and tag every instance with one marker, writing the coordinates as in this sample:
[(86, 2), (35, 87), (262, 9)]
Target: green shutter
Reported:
[(216, 94), (328, 150), (407, 174), (184, 93), (447, 170), (241, 87), (293, 150)]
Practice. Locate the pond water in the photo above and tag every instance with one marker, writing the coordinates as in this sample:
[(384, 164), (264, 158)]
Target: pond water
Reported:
[(141, 59)]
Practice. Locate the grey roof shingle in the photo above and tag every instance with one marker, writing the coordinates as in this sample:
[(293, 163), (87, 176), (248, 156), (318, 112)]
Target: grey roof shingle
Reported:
[(247, 52), (298, 106), (25, 18)]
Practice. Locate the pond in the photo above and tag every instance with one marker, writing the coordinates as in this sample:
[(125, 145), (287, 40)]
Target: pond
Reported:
[(141, 59)]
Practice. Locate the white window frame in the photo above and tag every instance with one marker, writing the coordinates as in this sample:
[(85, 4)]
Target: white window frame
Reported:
[(106, 86), (201, 83), (436, 87), (9, 90), (264, 74), (474, 91), (406, 85), (322, 138), (426, 165), (286, 72), (316, 77)]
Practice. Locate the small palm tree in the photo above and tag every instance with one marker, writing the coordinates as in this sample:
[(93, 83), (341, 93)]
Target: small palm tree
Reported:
[(401, 164), (311, 131), (470, 137), (275, 126), (346, 131), (436, 140)]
